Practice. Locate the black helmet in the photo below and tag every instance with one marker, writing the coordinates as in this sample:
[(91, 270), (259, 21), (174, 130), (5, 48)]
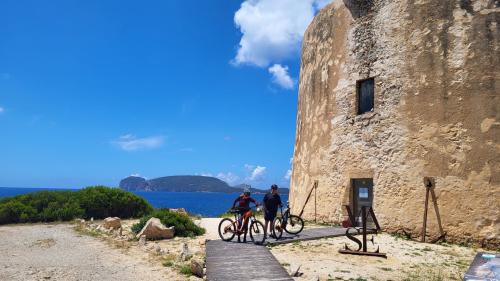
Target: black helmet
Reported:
[(246, 191), (274, 186)]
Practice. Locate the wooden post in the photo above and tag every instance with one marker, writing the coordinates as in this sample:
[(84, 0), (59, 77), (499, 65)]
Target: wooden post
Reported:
[(424, 227), (307, 199), (436, 210), (315, 206), (428, 183)]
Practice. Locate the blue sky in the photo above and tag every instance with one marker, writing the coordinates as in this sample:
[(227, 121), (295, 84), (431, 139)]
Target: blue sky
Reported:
[(94, 91)]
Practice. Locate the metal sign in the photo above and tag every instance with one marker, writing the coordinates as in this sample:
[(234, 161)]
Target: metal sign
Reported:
[(362, 245), (485, 267)]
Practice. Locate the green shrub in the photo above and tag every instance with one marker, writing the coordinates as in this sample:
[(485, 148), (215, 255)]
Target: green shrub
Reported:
[(46, 206), (102, 202), (184, 225)]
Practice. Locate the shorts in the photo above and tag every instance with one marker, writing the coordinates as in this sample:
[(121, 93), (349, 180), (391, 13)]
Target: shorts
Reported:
[(270, 215)]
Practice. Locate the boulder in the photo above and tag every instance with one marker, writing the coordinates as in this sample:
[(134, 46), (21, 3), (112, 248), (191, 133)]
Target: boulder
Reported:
[(197, 267), (154, 229), (112, 223)]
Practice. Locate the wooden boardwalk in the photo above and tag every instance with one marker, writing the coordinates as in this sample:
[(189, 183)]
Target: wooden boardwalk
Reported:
[(247, 261), (228, 261), (308, 234)]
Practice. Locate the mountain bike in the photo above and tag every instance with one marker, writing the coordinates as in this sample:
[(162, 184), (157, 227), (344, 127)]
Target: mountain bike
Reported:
[(228, 227), (292, 224)]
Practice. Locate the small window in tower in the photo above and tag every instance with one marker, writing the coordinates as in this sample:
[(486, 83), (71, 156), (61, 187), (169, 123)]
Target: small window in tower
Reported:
[(366, 95)]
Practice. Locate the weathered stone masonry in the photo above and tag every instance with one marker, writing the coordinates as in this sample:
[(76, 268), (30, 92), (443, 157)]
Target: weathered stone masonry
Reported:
[(436, 66)]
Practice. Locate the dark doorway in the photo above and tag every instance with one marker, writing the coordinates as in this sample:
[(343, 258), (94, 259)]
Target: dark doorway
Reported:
[(366, 95), (362, 196)]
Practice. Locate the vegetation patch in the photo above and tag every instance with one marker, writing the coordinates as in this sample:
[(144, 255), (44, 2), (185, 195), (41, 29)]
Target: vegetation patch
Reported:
[(186, 270), (184, 225), (98, 202)]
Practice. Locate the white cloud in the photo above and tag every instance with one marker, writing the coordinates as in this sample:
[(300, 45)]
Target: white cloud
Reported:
[(132, 143), (256, 172), (281, 76), (137, 175), (206, 174), (229, 177), (272, 30), (2, 110), (288, 173)]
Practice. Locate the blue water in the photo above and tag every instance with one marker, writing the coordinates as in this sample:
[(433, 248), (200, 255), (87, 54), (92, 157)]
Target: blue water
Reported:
[(207, 204)]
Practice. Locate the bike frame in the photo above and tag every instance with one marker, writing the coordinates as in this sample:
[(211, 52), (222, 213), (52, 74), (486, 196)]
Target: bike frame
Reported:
[(246, 219), (284, 216)]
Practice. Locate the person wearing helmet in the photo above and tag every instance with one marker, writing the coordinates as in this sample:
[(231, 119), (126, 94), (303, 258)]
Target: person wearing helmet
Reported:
[(272, 201), (243, 202)]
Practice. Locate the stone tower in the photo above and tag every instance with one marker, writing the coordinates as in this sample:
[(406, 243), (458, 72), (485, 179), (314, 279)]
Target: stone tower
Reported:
[(392, 91)]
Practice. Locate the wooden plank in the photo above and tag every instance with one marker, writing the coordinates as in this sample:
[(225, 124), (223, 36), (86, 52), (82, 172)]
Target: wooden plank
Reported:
[(247, 261), (242, 261)]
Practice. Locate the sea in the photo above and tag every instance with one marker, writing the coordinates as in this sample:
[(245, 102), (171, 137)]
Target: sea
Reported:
[(205, 204)]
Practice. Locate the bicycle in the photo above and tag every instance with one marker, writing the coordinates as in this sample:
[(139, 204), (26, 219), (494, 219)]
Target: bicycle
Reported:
[(292, 224), (228, 227)]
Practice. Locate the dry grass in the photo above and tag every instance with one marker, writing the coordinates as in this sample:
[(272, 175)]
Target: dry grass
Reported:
[(407, 260)]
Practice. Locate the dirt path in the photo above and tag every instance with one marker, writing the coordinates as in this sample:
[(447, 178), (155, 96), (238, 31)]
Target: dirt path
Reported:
[(57, 252)]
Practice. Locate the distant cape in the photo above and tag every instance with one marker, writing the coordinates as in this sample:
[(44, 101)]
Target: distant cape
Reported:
[(186, 184)]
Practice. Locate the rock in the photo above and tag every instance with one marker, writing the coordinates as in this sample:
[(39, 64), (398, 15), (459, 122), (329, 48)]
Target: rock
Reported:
[(158, 250), (92, 219), (185, 253), (142, 240), (179, 210), (197, 266), (294, 270), (112, 223), (154, 229)]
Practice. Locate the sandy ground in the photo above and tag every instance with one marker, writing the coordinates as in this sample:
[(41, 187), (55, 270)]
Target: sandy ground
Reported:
[(64, 251), (407, 260), (57, 252)]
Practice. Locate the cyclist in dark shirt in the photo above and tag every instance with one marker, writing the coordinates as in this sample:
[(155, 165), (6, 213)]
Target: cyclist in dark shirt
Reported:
[(272, 201), (244, 207)]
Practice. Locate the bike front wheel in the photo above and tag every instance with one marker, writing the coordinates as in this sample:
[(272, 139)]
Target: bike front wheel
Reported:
[(294, 225), (277, 228), (227, 229), (257, 232)]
